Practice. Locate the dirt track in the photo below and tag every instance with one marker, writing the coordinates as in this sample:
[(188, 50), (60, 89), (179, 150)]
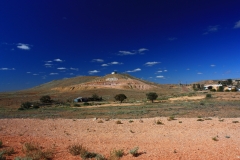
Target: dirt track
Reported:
[(190, 139)]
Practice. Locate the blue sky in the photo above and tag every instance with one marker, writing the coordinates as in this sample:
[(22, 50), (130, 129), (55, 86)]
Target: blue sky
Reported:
[(168, 41)]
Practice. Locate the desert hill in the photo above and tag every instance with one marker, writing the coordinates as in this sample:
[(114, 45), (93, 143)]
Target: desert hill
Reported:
[(111, 81), (85, 86)]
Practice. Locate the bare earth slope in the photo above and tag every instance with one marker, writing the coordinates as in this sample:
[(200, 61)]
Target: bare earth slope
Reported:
[(190, 139)]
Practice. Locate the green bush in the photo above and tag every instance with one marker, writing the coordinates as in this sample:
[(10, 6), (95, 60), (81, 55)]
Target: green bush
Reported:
[(120, 97), (134, 152), (86, 104), (46, 99), (77, 105), (208, 95)]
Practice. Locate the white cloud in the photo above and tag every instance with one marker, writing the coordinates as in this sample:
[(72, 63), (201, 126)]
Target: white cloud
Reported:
[(98, 60), (35, 74), (53, 74), (212, 65), (93, 72), (141, 50), (75, 69), (123, 53), (199, 73), (113, 63), (159, 71), (188, 69), (133, 52), (58, 60), (135, 70), (172, 38), (61, 68), (48, 65), (48, 61), (151, 63), (7, 69), (23, 46), (160, 76), (104, 65), (165, 70), (237, 24), (28, 72), (212, 29)]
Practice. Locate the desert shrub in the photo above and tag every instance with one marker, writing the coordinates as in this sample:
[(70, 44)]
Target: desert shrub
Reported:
[(46, 99), (34, 151), (86, 104), (208, 95), (130, 121), (2, 156), (226, 90), (26, 105), (100, 121), (215, 139), (134, 152), (1, 144), (159, 122), (77, 105), (116, 154), (235, 121), (22, 158), (118, 122), (200, 119), (76, 149), (171, 118), (9, 151)]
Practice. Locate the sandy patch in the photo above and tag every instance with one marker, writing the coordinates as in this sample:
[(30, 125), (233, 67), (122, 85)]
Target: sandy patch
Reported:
[(190, 139)]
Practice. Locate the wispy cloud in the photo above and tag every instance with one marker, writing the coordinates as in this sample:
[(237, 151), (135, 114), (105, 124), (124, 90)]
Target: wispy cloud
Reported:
[(23, 46), (135, 70), (58, 60), (172, 38), (159, 71), (51, 74), (212, 29), (165, 70), (115, 63), (142, 50), (61, 68), (28, 72), (212, 65), (48, 61), (7, 69), (48, 65), (159, 76), (237, 24), (133, 52), (123, 53), (93, 72), (98, 60), (35, 74), (104, 65), (75, 69), (199, 73), (151, 63)]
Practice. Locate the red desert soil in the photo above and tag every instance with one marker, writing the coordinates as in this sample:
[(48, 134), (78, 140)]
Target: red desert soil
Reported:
[(190, 139)]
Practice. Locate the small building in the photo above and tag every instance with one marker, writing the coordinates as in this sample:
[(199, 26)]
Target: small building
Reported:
[(114, 72), (213, 86), (79, 99)]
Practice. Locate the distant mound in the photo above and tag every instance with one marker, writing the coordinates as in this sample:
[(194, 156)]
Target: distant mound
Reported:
[(111, 81)]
